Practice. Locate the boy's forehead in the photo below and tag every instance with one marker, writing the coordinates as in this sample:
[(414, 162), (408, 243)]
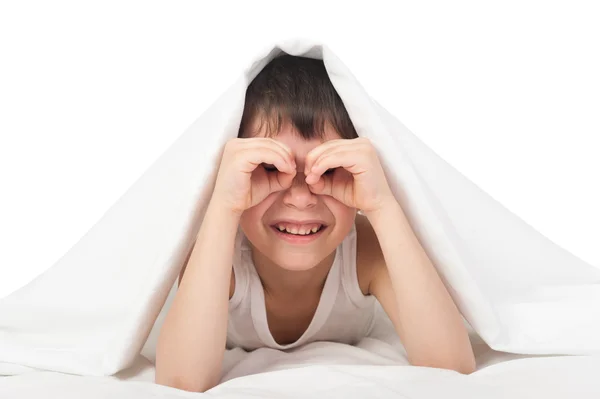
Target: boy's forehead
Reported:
[(299, 145)]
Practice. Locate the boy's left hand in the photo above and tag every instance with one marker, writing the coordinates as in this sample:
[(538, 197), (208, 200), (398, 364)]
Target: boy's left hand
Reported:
[(350, 172)]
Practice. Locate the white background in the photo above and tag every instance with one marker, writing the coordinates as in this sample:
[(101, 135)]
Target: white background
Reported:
[(91, 94)]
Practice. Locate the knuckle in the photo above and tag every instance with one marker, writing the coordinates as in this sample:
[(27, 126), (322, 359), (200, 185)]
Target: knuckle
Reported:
[(368, 145), (232, 144)]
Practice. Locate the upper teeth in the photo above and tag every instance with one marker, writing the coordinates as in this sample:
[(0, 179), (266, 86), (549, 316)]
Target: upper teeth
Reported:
[(302, 230)]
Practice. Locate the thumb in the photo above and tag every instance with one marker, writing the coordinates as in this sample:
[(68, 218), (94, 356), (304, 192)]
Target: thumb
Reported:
[(281, 181), (321, 187)]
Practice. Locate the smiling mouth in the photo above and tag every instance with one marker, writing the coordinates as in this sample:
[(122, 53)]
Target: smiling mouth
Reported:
[(299, 230), (297, 238)]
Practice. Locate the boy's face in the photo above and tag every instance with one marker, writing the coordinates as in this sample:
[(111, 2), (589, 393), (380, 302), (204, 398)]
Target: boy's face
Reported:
[(297, 208)]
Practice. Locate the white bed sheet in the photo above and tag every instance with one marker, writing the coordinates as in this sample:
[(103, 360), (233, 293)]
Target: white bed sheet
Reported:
[(537, 377), (375, 368)]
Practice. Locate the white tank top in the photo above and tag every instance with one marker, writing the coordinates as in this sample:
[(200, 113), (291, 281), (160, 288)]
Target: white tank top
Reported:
[(343, 314)]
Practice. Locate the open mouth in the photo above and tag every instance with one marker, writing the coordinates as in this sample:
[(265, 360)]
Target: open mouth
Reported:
[(298, 233), (299, 230)]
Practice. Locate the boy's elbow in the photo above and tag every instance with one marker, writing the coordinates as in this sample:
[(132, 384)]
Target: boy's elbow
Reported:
[(185, 384), (463, 366), (467, 368), (466, 365)]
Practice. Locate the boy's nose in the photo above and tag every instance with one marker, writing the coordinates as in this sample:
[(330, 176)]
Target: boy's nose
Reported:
[(299, 195)]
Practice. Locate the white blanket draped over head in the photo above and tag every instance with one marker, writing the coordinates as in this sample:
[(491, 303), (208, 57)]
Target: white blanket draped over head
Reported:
[(93, 311)]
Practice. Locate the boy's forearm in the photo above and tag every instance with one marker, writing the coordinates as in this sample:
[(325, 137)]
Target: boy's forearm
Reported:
[(192, 340), (432, 326)]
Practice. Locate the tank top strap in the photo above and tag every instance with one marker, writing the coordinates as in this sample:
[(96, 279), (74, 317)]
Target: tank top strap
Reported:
[(349, 270), (240, 270)]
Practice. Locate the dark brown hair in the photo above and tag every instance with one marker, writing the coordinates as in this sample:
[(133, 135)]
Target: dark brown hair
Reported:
[(298, 90)]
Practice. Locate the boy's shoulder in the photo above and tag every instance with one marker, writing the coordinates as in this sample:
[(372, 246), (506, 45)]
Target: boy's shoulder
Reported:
[(368, 252)]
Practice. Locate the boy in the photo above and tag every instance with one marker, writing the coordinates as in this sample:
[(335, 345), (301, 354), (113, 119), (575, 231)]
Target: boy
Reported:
[(282, 258)]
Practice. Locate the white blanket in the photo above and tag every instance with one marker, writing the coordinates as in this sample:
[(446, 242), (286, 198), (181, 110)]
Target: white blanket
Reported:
[(93, 311)]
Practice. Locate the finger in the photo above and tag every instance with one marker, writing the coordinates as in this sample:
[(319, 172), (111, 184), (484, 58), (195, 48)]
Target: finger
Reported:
[(280, 181), (326, 152), (272, 143), (260, 142), (258, 155), (321, 186), (288, 151), (282, 145), (347, 159), (339, 186), (318, 151)]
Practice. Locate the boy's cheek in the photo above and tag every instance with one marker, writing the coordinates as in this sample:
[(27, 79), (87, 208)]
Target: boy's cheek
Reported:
[(344, 216), (256, 213), (342, 213)]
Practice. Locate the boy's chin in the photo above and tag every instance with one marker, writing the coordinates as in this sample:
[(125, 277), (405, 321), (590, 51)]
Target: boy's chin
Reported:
[(302, 263), (294, 267)]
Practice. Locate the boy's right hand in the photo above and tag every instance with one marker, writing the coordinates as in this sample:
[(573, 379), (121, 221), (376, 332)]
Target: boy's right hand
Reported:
[(251, 169)]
